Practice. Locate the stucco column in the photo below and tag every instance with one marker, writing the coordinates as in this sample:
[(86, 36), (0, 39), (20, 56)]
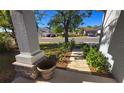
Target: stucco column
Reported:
[(27, 38), (109, 26)]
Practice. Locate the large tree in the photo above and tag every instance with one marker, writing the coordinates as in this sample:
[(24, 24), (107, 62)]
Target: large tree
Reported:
[(69, 20)]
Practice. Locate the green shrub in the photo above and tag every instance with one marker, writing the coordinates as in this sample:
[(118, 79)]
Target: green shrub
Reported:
[(86, 49), (97, 59), (95, 46), (67, 46), (5, 42)]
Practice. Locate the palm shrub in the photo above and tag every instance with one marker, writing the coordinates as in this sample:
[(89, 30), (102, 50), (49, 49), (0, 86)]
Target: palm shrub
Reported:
[(97, 60), (5, 42)]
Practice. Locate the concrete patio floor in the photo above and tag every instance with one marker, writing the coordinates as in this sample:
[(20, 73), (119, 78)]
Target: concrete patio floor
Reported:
[(65, 76)]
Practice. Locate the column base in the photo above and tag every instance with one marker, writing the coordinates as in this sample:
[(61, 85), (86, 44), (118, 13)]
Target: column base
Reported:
[(28, 70), (28, 58)]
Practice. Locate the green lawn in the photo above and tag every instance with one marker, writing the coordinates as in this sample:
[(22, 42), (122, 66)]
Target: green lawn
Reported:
[(50, 48)]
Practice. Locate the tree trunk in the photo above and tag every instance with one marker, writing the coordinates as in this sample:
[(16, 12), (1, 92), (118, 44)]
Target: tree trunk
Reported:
[(13, 34), (66, 35)]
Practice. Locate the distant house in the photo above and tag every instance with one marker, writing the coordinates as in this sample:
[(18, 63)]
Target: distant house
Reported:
[(92, 31), (44, 31)]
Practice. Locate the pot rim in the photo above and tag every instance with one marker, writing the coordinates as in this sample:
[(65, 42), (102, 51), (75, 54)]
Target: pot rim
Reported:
[(41, 70)]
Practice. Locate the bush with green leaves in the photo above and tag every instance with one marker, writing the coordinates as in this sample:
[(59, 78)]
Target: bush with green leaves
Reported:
[(67, 46), (97, 59), (5, 42), (86, 49)]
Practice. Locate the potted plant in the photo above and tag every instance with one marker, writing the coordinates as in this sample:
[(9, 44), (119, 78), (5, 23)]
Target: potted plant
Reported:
[(47, 67)]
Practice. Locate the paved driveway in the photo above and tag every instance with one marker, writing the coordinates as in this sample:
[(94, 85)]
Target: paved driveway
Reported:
[(77, 39)]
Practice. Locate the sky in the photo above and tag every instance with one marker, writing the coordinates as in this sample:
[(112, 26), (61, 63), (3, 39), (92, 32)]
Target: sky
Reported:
[(95, 19)]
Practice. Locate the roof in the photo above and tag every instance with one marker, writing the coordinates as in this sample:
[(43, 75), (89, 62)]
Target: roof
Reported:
[(45, 29), (91, 29)]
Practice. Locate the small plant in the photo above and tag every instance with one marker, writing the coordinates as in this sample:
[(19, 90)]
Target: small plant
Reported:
[(49, 54), (60, 57), (97, 59)]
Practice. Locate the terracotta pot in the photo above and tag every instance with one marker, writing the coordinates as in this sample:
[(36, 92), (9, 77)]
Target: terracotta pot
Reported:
[(46, 69)]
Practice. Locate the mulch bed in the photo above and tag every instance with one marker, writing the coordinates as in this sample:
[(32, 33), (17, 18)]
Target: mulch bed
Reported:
[(103, 74), (63, 64)]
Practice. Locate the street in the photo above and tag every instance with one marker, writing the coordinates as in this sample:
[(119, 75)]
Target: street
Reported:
[(78, 40)]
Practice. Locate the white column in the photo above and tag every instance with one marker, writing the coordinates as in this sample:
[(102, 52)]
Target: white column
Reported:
[(27, 38), (109, 26)]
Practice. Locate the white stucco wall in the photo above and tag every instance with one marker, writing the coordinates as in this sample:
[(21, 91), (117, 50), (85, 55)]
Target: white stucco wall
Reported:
[(109, 26), (116, 49)]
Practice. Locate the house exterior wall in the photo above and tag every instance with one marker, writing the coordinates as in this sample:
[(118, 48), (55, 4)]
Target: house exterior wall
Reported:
[(116, 49), (109, 26)]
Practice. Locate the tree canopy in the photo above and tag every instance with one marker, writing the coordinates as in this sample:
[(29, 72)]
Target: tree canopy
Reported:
[(5, 20), (6, 23), (68, 20)]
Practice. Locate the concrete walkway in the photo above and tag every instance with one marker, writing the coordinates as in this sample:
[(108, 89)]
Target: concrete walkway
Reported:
[(65, 76), (77, 62)]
